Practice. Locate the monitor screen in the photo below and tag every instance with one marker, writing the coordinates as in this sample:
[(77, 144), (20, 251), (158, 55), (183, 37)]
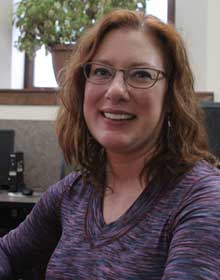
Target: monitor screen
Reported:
[(6, 148)]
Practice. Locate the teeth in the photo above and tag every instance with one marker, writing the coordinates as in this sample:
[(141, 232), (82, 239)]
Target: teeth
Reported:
[(118, 116)]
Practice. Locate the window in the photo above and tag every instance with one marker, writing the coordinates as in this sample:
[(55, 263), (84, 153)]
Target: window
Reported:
[(43, 70), (158, 8)]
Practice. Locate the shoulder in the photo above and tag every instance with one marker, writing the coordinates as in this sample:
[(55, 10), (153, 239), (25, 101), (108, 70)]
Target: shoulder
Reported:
[(194, 231), (203, 181), (202, 177), (199, 194)]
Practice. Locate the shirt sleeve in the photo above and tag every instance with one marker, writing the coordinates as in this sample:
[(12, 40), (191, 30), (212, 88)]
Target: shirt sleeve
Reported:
[(194, 251), (33, 241)]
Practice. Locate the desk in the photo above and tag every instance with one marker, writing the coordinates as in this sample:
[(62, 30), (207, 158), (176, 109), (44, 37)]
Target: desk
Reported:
[(17, 199), (14, 208)]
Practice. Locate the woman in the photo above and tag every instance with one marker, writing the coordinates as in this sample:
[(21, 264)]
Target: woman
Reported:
[(145, 203)]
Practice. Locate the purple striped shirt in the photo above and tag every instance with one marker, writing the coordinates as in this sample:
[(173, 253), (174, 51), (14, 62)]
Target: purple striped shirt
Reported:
[(169, 236)]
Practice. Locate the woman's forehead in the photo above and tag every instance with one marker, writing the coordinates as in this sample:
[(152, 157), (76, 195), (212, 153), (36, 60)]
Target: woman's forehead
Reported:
[(129, 46)]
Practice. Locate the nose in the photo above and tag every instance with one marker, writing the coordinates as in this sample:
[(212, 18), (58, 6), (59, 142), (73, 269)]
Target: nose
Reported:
[(117, 89)]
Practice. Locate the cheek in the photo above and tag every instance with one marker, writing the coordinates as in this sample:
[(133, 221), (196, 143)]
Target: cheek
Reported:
[(92, 93), (156, 97), (149, 104), (152, 106), (93, 97)]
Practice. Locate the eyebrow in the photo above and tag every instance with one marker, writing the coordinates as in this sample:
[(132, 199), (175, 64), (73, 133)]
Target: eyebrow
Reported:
[(131, 65)]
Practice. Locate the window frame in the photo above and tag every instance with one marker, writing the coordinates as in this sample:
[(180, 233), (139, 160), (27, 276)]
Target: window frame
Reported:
[(171, 11)]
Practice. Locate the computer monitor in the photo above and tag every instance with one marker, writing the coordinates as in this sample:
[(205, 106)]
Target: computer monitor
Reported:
[(6, 148), (212, 122)]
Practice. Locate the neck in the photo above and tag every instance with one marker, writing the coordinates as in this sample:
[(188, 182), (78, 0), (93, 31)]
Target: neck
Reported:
[(125, 170)]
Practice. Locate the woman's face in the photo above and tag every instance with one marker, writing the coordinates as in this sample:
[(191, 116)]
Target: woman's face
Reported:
[(123, 119)]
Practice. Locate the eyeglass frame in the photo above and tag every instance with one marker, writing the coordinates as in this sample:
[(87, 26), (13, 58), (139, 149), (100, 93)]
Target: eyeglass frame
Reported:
[(125, 74)]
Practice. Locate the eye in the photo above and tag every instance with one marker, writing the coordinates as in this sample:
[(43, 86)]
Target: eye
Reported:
[(141, 75), (101, 72)]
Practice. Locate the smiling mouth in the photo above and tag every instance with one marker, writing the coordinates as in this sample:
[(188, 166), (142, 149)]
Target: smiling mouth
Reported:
[(118, 117)]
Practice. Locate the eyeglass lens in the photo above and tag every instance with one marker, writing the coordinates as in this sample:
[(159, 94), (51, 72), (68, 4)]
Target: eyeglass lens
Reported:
[(135, 77)]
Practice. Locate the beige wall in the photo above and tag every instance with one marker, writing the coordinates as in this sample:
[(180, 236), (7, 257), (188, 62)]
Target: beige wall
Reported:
[(18, 112)]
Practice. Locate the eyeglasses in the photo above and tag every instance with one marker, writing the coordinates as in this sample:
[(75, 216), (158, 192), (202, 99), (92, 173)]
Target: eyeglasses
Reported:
[(141, 78)]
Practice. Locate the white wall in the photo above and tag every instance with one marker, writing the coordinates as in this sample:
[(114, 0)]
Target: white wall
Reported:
[(199, 23), (191, 21), (5, 43), (213, 48)]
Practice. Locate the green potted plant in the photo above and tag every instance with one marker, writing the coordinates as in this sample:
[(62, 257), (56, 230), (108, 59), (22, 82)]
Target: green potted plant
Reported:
[(56, 24)]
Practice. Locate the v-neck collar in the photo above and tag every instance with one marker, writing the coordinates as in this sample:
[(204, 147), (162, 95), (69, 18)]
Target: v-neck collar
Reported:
[(99, 233)]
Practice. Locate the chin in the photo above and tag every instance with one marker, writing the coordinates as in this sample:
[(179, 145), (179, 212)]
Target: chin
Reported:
[(116, 146)]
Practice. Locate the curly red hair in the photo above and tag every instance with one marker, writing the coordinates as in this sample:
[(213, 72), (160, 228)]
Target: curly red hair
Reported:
[(187, 141)]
